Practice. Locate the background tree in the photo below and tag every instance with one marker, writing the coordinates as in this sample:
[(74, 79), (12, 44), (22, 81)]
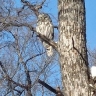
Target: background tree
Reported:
[(23, 58)]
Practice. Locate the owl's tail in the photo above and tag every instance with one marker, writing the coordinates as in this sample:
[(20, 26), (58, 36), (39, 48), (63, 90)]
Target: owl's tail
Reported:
[(49, 49)]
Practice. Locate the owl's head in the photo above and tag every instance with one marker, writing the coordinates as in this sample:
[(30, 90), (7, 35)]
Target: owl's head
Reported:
[(44, 17)]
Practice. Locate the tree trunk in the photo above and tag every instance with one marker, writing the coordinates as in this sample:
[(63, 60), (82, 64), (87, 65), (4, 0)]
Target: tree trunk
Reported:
[(72, 47)]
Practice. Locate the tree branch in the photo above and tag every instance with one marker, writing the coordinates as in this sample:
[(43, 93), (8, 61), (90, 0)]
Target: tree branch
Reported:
[(10, 79), (28, 80), (47, 86), (40, 5), (44, 38), (48, 41), (34, 8), (21, 9), (56, 91), (33, 57)]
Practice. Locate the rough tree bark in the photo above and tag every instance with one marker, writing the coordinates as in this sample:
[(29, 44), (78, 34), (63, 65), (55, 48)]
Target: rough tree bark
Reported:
[(72, 47)]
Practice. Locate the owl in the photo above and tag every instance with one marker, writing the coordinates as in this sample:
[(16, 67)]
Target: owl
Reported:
[(45, 27)]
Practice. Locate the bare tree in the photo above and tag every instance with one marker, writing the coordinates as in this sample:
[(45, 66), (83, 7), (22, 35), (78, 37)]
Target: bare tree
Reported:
[(23, 58)]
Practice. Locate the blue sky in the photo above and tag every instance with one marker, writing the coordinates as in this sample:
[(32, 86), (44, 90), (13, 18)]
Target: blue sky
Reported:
[(91, 23)]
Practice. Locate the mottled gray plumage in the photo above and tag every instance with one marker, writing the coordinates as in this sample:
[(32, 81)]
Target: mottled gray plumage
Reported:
[(45, 27)]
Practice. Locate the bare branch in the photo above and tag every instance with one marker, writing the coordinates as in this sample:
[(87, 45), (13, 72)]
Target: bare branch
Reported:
[(48, 41), (44, 38), (56, 91), (32, 7), (28, 80), (5, 25), (20, 92), (33, 57), (40, 5), (21, 10), (3, 47), (10, 79), (47, 86)]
